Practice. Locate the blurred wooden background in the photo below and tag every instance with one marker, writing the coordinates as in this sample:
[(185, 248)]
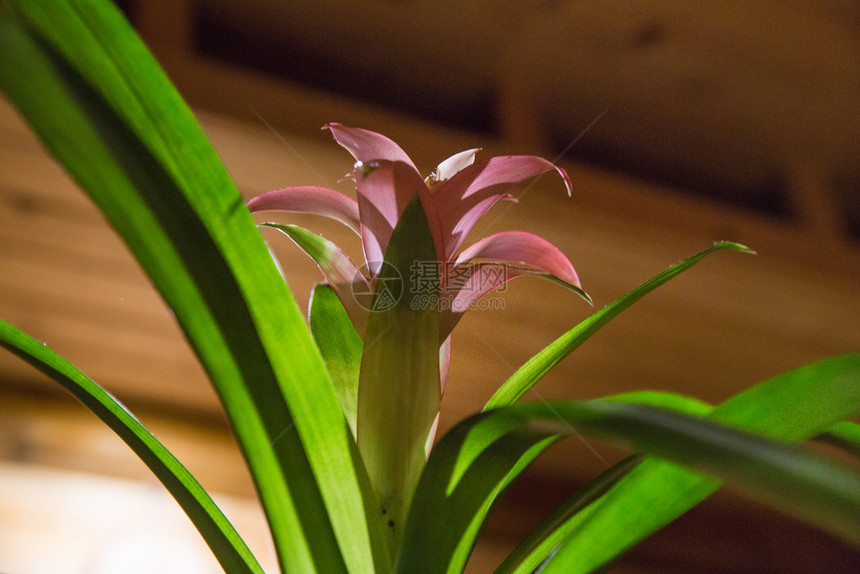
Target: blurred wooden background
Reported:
[(639, 204)]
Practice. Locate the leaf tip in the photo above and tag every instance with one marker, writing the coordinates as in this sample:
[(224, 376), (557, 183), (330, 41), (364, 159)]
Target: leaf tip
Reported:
[(734, 246), (585, 296)]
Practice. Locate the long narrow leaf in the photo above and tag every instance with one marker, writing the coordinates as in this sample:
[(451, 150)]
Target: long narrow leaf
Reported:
[(552, 532), (540, 364), (398, 391), (340, 346), (793, 406), (796, 482), (466, 472), (469, 467), (226, 544), (557, 528), (95, 96)]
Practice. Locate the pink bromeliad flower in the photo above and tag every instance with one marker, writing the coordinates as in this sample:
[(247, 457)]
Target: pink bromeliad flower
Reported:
[(454, 197), (403, 365)]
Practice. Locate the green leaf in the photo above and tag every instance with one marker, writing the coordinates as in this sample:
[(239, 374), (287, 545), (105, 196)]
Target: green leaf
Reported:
[(333, 263), (791, 407), (845, 435), (344, 277), (340, 345), (466, 472), (90, 89), (540, 364), (800, 483), (472, 464), (541, 542), (552, 531), (226, 544), (398, 391)]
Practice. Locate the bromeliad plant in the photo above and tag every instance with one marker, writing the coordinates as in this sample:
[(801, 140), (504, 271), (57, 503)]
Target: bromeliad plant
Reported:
[(412, 227), (336, 421)]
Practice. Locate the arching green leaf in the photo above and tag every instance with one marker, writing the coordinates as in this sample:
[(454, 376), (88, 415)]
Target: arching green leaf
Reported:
[(540, 364), (100, 103), (226, 544)]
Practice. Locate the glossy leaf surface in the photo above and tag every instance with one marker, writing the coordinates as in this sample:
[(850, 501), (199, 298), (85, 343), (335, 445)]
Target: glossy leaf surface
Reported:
[(399, 391), (90, 89), (469, 467), (791, 407), (340, 346)]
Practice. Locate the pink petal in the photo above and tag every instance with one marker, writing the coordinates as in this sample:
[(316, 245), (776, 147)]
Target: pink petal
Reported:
[(464, 198), (451, 166), (473, 281), (384, 190), (386, 180), (366, 146), (525, 249), (311, 199), (511, 254), (433, 221)]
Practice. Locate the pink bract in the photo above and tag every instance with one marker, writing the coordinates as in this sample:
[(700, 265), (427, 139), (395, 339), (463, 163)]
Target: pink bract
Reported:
[(454, 197)]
